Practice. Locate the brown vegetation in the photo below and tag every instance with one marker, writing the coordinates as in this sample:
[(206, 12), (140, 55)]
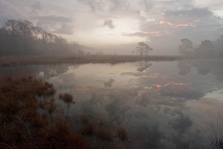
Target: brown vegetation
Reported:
[(29, 119), (104, 134), (67, 98), (25, 104), (122, 133), (88, 129), (81, 59)]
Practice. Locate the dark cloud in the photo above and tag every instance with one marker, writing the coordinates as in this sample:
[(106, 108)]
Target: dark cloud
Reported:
[(193, 12), (109, 23)]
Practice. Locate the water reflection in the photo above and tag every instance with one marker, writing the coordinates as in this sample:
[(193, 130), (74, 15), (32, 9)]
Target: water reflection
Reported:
[(143, 65), (161, 103), (41, 71), (109, 83), (203, 67)]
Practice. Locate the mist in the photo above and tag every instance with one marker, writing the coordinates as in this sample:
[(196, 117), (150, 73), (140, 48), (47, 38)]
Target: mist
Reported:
[(127, 74)]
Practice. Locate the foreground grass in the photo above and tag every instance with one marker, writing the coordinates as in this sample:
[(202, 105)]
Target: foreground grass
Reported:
[(113, 59), (29, 119)]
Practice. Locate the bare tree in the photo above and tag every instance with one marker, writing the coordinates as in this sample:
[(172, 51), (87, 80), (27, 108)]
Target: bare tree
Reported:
[(143, 49)]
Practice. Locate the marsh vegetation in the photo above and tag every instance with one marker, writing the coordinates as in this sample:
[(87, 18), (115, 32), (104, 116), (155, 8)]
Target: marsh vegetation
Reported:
[(30, 118)]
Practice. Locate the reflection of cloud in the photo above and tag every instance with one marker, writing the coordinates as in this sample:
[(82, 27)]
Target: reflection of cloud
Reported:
[(181, 91), (172, 83), (109, 83), (181, 123), (145, 101), (109, 23)]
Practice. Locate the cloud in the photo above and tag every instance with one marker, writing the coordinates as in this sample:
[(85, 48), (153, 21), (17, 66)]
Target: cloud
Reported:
[(213, 4), (54, 18), (140, 34), (106, 5), (147, 4), (8, 11), (66, 29), (192, 12), (38, 6), (56, 24), (109, 23)]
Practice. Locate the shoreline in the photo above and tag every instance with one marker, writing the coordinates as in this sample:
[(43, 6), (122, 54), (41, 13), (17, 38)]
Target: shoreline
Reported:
[(77, 59)]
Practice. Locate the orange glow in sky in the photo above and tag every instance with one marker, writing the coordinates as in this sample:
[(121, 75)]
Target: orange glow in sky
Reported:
[(172, 83), (177, 25)]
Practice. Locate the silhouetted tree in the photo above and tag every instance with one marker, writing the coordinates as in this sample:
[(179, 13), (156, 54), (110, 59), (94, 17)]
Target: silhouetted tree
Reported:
[(143, 49), (205, 49), (186, 47), (21, 37)]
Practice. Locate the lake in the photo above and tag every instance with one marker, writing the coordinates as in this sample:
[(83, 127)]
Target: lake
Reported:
[(161, 104)]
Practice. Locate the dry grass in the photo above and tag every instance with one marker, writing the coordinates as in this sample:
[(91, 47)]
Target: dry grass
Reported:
[(104, 134), (84, 119), (122, 134), (77, 59), (28, 119), (66, 97), (88, 129), (214, 130), (25, 104)]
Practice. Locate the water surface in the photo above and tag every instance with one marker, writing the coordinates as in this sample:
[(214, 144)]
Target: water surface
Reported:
[(162, 104)]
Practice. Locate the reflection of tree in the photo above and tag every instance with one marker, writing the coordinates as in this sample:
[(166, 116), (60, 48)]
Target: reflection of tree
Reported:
[(41, 71), (184, 67), (109, 83), (143, 65), (204, 67), (186, 47)]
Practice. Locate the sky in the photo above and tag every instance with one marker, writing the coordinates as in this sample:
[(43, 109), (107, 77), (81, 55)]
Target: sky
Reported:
[(118, 25)]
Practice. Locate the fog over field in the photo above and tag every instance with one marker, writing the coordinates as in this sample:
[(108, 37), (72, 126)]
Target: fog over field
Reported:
[(116, 26), (111, 74)]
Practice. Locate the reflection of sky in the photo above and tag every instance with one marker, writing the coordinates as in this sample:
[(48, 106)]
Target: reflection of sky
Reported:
[(158, 105)]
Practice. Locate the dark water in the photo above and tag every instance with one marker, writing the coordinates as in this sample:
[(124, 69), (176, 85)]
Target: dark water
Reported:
[(161, 104)]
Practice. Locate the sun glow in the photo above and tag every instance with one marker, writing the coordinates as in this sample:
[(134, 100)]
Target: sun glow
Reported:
[(102, 35)]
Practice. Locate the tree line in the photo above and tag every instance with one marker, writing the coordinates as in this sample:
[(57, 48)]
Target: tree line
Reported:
[(21, 37), (206, 49)]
